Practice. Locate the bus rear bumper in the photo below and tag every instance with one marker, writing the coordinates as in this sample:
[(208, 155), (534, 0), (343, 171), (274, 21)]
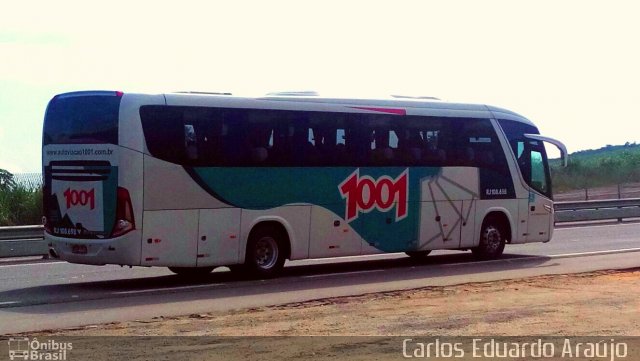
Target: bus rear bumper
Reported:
[(124, 250)]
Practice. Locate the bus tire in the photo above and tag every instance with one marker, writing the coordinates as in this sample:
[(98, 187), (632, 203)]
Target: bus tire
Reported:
[(492, 240), (418, 255), (191, 271), (265, 252)]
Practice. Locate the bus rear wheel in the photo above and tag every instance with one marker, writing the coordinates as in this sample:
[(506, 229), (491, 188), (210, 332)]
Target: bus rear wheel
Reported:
[(191, 271), (265, 252), (492, 240)]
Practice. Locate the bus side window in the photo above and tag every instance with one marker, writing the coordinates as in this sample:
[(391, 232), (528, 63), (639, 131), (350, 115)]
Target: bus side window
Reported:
[(234, 140), (357, 141), (435, 155), (524, 161), (280, 141), (190, 142), (452, 139), (164, 132), (417, 141), (328, 139), (349, 151), (340, 154), (258, 137), (411, 145), (340, 137), (321, 152), (383, 146), (311, 139), (209, 137), (310, 153), (202, 136), (482, 139)]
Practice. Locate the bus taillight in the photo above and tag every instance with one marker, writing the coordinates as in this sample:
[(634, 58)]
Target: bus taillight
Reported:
[(47, 225), (124, 214)]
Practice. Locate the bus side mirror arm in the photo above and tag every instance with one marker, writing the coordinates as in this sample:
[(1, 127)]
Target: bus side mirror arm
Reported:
[(563, 149)]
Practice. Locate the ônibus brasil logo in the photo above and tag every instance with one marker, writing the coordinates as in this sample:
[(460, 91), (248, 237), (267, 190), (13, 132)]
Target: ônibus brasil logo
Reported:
[(22, 348), (363, 194)]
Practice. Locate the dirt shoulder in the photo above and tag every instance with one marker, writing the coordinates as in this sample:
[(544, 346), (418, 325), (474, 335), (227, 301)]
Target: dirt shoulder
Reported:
[(598, 303)]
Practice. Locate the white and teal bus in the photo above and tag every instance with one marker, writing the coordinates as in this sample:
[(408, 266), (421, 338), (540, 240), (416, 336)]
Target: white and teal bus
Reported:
[(194, 181)]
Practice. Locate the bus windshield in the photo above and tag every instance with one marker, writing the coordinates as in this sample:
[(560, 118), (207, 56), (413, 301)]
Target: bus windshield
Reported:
[(530, 154)]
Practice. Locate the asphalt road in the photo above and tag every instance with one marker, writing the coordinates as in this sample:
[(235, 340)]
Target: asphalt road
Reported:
[(45, 295)]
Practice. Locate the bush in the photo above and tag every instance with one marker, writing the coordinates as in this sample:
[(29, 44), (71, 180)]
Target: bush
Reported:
[(19, 204)]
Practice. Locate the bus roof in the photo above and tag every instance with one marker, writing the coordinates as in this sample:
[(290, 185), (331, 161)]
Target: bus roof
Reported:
[(311, 97), (297, 100), (407, 102)]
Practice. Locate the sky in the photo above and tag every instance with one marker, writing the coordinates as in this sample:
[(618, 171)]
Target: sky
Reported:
[(572, 67)]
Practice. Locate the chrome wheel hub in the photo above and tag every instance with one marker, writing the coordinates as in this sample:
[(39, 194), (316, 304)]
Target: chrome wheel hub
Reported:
[(266, 254), (492, 239)]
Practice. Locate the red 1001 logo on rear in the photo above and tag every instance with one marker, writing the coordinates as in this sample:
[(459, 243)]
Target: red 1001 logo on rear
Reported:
[(363, 194), (80, 198)]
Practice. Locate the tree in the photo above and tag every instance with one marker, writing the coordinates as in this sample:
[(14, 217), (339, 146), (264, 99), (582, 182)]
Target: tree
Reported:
[(7, 182)]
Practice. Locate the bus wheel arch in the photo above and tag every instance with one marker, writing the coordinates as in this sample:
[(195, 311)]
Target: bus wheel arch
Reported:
[(495, 233), (268, 246)]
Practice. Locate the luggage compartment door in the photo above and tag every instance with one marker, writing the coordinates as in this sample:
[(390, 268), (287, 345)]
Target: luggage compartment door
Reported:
[(218, 237), (169, 238)]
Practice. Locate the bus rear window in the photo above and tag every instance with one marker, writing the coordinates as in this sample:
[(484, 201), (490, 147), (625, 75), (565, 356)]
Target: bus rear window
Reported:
[(82, 119)]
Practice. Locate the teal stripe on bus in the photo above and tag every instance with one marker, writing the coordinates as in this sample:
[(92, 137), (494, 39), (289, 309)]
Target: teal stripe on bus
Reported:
[(261, 188)]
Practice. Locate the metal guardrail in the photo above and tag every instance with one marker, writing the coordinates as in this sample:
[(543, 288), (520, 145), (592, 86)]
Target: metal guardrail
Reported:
[(28, 240), (21, 232), (22, 241), (597, 210)]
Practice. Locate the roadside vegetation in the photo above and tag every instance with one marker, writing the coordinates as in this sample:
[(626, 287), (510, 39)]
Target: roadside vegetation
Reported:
[(607, 166), (20, 203)]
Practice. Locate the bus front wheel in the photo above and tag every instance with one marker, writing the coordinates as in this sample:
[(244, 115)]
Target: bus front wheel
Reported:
[(492, 240), (265, 252)]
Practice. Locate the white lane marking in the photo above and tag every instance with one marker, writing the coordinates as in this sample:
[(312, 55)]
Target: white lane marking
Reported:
[(165, 289), (9, 303), (593, 253), (534, 256), (33, 264)]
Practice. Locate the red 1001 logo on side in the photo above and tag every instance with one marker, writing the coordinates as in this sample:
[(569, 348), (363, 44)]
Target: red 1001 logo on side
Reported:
[(363, 194)]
